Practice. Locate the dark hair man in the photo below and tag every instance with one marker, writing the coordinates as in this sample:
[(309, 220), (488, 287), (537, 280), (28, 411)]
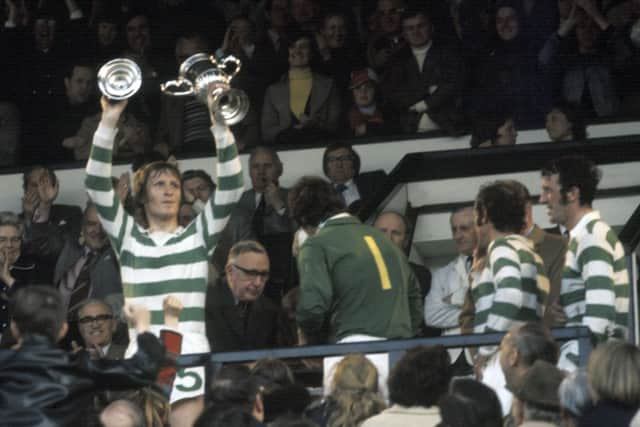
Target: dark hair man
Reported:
[(595, 282), (160, 257), (352, 277)]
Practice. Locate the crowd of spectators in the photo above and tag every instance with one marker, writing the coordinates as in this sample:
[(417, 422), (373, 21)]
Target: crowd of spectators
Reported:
[(316, 71)]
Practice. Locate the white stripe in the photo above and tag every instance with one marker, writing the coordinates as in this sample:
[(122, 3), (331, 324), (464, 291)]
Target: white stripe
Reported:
[(597, 268), (184, 245), (227, 197), (600, 297), (155, 303), (229, 168), (197, 270)]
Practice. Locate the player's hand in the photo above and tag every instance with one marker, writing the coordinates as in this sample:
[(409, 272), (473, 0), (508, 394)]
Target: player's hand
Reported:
[(172, 307), (112, 110), (139, 316)]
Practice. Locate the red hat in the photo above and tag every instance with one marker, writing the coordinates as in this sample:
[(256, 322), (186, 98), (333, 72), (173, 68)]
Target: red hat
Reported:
[(364, 75)]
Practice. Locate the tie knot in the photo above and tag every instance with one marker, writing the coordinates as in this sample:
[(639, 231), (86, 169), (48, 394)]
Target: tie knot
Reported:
[(340, 188)]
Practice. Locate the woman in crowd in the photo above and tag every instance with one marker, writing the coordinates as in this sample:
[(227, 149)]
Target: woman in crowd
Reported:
[(304, 105), (354, 395)]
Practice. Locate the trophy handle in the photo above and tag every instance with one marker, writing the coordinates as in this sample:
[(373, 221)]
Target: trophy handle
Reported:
[(173, 87), (227, 61)]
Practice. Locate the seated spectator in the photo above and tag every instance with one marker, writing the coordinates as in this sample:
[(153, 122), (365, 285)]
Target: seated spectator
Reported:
[(575, 397), (564, 123), (470, 403), (341, 164), (615, 386), (16, 270), (385, 38), (304, 106), (338, 49), (65, 387), (416, 384), (493, 131), (535, 394), (505, 75), (353, 396), (366, 116), (424, 84), (280, 394), (10, 132), (97, 324), (41, 187), (238, 316), (584, 63)]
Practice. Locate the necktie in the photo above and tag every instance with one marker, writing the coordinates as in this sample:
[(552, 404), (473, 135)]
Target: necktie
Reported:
[(468, 263), (81, 287), (340, 188), (257, 223)]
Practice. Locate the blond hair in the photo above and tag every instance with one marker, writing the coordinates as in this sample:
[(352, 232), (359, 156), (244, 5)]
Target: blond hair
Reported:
[(614, 372)]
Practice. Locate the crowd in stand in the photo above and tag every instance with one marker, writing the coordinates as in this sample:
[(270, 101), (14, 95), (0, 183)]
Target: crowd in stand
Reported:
[(315, 71), (209, 267)]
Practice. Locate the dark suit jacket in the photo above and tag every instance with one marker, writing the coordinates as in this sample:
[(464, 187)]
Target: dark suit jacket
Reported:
[(552, 248), (225, 330), (64, 222), (368, 183), (439, 85)]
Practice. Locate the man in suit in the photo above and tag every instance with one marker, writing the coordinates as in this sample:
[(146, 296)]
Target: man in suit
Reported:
[(97, 325), (42, 217), (238, 316), (341, 164), (425, 81)]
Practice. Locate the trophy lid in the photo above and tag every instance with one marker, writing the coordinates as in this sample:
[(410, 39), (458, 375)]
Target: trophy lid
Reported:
[(119, 78)]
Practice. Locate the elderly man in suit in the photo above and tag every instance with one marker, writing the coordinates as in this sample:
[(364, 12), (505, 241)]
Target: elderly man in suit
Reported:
[(425, 81), (238, 316), (97, 325)]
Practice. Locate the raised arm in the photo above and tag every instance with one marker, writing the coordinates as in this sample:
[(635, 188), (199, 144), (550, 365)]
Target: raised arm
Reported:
[(113, 217), (216, 214)]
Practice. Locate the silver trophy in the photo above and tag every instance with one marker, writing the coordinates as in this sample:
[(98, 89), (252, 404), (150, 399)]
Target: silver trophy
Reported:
[(198, 72), (119, 79)]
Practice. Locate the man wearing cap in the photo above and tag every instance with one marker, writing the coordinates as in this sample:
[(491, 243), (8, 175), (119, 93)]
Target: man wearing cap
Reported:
[(536, 402), (366, 116), (424, 84)]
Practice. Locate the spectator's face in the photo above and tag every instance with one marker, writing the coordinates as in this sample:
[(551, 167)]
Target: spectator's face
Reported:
[(107, 32), (94, 236), (247, 275), (198, 188), (79, 86), (552, 197), (300, 53), (138, 34), (279, 14), (33, 179), (302, 11), (263, 170), (186, 214), (463, 231), (96, 324), (335, 31), (44, 31), (507, 24), (393, 226), (241, 30), (364, 95), (389, 16), (162, 198), (10, 244), (558, 126), (507, 134), (416, 31), (340, 166)]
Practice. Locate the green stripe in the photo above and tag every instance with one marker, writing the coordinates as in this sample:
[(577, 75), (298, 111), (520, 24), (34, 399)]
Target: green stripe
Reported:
[(591, 225), (483, 289), (526, 257), (141, 238), (573, 297), (612, 239), (189, 314), (504, 262), (166, 287), (230, 182), (101, 154), (600, 311), (188, 232), (570, 274), (573, 245), (622, 290), (510, 283), (98, 183), (599, 282), (109, 212), (227, 153), (620, 264), (180, 258), (530, 285), (594, 253), (513, 312)]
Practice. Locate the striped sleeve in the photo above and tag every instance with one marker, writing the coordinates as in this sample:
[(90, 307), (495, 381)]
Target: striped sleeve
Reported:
[(216, 214), (115, 221), (509, 298), (596, 263)]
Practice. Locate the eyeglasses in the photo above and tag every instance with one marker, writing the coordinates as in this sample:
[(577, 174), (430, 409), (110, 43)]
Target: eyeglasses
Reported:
[(99, 318), (343, 158), (252, 274)]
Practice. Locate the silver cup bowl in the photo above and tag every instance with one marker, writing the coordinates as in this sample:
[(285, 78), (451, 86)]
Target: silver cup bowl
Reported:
[(119, 79)]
